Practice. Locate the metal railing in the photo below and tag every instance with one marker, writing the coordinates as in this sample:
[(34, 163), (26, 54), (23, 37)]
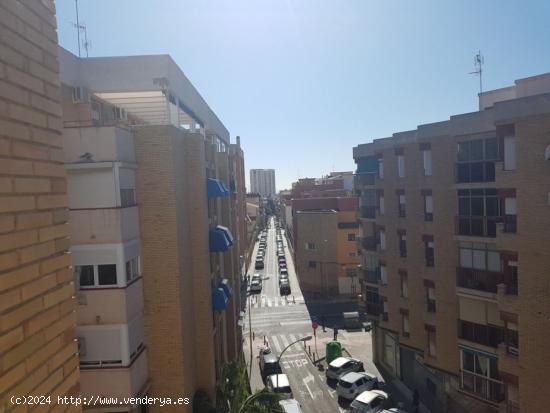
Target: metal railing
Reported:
[(480, 333), (477, 226), (486, 281)]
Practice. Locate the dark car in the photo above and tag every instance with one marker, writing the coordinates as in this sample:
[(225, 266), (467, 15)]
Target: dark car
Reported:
[(259, 264), (269, 363), (284, 288)]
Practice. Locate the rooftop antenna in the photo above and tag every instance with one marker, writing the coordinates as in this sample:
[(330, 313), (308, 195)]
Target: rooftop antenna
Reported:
[(478, 64), (87, 44)]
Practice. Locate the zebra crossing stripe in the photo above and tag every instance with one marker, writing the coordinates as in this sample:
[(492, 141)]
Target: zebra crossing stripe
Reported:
[(276, 302), (275, 343), (284, 340), (292, 338)]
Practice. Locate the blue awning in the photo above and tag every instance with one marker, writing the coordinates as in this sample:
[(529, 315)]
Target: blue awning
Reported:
[(220, 239), (226, 287), (216, 188), (219, 299)]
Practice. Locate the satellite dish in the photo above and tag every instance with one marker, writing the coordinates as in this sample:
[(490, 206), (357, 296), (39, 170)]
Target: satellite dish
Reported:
[(547, 153)]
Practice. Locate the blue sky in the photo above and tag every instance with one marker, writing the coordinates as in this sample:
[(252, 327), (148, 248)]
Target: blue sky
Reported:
[(303, 81)]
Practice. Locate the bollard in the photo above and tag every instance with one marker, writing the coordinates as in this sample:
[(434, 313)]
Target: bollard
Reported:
[(293, 300), (309, 350), (253, 337)]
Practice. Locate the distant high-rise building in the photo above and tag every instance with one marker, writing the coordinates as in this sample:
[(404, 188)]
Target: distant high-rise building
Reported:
[(262, 181)]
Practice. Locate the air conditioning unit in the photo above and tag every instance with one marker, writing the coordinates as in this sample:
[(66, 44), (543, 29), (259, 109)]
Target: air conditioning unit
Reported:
[(81, 94)]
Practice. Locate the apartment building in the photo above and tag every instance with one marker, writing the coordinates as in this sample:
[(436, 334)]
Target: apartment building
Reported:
[(156, 193), (38, 351), (262, 181), (456, 270), (325, 245)]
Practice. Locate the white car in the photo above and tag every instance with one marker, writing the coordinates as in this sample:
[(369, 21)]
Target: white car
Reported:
[(278, 383), (370, 401), (291, 406), (342, 365), (352, 384)]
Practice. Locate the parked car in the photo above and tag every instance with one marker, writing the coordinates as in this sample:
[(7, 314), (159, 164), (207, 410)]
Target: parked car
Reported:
[(393, 410), (278, 383), (259, 264), (282, 265), (280, 253), (342, 365), (284, 288), (283, 271), (256, 276), (255, 286), (290, 406), (350, 385), (269, 363), (370, 401), (283, 278)]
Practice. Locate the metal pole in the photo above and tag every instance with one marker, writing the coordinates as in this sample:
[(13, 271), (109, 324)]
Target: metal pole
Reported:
[(250, 333), (77, 26)]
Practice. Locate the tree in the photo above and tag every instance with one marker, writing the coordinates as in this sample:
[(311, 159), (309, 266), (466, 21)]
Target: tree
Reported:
[(233, 394)]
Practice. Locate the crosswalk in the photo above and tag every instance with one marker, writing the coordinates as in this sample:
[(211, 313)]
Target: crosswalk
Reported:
[(264, 302), (278, 342)]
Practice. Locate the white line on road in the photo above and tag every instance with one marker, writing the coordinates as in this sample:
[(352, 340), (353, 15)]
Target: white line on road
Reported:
[(284, 340), (276, 344), (306, 380)]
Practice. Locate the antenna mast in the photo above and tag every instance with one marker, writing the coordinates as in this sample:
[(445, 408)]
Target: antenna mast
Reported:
[(87, 44), (77, 25), (478, 64)]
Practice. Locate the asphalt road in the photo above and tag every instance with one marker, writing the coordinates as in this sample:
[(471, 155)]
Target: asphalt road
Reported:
[(279, 321)]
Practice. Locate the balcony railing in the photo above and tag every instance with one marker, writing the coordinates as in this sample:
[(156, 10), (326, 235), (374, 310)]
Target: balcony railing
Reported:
[(486, 281), (373, 309), (477, 226), (364, 179), (368, 211), (475, 172), (482, 386), (480, 333)]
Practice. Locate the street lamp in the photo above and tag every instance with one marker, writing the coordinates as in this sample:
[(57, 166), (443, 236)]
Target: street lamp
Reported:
[(304, 339)]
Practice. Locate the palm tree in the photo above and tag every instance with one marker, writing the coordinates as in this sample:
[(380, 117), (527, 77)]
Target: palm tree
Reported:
[(233, 393)]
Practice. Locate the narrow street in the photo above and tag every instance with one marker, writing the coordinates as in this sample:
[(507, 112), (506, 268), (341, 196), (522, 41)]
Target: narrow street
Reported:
[(282, 320)]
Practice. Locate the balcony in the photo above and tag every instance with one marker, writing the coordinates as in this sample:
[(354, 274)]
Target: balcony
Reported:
[(123, 304), (372, 276), (477, 226), (470, 172), (430, 306), (104, 226), (486, 281), (486, 335), (102, 144), (482, 386), (510, 224), (364, 179), (115, 382), (369, 243), (368, 212)]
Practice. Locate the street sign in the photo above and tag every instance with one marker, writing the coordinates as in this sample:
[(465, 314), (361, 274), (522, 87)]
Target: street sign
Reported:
[(314, 325)]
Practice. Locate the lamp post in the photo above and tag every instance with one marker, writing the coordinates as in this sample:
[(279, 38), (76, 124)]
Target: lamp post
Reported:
[(304, 339)]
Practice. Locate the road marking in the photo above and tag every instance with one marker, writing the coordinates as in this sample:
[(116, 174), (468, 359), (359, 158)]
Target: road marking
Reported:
[(292, 337), (284, 340), (268, 302), (275, 302), (276, 343), (306, 380)]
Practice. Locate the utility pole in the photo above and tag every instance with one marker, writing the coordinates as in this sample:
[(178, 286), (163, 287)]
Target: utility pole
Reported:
[(478, 64)]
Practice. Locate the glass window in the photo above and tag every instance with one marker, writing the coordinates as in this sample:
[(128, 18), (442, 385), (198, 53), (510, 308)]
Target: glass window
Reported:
[(476, 150), (107, 274), (464, 206), (464, 151), (479, 260), (493, 261), (466, 258), (476, 205), (85, 275), (491, 149), (351, 237), (467, 361)]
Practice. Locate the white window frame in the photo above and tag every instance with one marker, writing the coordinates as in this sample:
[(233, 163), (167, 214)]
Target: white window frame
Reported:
[(427, 161), (401, 166)]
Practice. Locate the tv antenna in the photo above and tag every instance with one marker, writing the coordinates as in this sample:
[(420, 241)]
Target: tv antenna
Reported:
[(87, 44), (478, 64)]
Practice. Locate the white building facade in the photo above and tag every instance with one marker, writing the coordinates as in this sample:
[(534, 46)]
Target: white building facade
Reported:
[(262, 181)]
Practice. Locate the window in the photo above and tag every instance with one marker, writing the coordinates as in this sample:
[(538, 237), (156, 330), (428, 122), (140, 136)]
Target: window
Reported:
[(312, 264), (427, 158), (479, 375), (430, 332), (132, 269), (310, 246), (476, 160), (127, 197), (429, 250), (84, 275), (402, 206), (428, 208), (106, 274), (404, 285), (401, 166), (381, 204), (382, 235), (380, 168), (430, 299), (96, 275), (402, 245), (479, 211), (509, 153), (480, 256), (351, 237), (405, 324)]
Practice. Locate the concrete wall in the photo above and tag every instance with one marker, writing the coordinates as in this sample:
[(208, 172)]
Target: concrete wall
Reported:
[(37, 308)]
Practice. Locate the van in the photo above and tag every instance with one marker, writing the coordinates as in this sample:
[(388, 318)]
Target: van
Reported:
[(351, 320)]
